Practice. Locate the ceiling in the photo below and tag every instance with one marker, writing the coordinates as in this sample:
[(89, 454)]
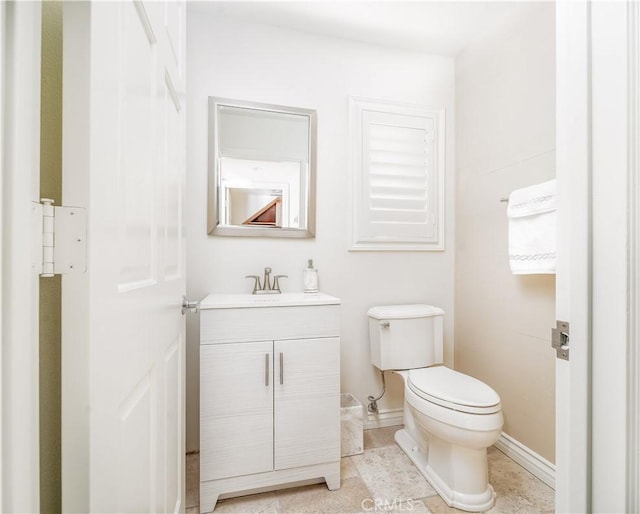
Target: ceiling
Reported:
[(438, 27)]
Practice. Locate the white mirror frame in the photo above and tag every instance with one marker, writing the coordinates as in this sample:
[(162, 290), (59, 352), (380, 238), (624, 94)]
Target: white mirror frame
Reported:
[(214, 226)]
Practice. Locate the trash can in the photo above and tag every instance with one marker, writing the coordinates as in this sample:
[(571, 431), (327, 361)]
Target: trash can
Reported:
[(351, 426)]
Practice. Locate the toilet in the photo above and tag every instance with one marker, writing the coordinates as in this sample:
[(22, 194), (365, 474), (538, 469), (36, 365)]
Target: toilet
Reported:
[(450, 419)]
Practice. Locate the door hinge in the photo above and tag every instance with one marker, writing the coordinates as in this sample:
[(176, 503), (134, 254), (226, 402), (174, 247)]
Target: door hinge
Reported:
[(560, 339), (59, 239)]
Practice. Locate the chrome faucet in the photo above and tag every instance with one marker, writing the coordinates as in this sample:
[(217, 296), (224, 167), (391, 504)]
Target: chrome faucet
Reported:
[(266, 283), (266, 286)]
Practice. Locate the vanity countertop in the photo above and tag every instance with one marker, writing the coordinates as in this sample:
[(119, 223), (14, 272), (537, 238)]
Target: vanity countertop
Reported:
[(235, 301)]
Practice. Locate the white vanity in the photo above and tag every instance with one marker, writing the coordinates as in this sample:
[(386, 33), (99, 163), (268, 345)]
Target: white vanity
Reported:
[(269, 393)]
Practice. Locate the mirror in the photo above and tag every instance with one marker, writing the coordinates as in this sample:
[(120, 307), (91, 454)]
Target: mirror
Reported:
[(262, 161)]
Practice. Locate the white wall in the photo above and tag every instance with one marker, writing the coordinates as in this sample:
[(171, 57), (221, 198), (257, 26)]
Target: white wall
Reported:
[(266, 64), (505, 139)]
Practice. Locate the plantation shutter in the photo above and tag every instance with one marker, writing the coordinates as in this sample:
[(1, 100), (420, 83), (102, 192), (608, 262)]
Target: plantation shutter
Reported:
[(398, 177)]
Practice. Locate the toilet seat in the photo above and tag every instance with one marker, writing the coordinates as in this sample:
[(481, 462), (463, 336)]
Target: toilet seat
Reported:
[(453, 390)]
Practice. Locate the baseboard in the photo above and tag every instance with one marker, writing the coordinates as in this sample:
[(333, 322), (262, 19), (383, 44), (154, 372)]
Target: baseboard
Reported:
[(535, 464), (384, 418)]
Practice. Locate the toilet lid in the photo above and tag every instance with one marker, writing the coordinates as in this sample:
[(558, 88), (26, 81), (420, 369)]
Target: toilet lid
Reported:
[(453, 390)]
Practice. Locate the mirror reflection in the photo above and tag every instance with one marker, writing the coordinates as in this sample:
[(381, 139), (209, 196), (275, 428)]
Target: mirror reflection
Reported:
[(262, 164)]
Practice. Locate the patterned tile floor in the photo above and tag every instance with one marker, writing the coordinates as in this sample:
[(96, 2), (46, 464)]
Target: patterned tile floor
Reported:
[(383, 479)]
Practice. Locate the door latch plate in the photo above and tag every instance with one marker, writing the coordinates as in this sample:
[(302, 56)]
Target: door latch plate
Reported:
[(560, 339)]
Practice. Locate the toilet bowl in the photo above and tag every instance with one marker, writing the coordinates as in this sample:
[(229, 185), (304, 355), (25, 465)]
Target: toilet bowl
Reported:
[(450, 419), (448, 443)]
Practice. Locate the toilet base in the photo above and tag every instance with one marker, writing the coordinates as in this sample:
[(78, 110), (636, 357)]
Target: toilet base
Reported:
[(476, 502)]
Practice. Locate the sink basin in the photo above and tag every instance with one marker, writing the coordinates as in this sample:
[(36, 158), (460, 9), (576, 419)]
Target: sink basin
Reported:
[(234, 301)]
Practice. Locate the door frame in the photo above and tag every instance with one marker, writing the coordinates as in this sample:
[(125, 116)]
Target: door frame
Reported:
[(3, 75), (598, 282), (20, 186), (614, 81), (633, 369), (574, 265)]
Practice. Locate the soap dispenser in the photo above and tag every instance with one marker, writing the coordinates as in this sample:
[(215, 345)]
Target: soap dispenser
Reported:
[(310, 278)]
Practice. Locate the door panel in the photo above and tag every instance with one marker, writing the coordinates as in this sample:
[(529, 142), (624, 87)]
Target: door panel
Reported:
[(173, 164), (307, 402), (174, 14), (123, 331), (136, 161), (236, 409), (134, 484), (173, 422)]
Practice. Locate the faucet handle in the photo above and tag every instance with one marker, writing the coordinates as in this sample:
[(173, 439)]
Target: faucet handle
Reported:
[(256, 284), (276, 282)]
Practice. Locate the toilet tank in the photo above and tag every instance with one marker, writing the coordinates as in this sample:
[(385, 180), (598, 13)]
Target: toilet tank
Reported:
[(405, 336)]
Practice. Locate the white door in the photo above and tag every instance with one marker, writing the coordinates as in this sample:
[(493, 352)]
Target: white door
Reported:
[(19, 187), (123, 348)]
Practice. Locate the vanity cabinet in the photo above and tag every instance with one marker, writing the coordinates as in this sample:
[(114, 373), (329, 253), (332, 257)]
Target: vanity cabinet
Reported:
[(269, 393)]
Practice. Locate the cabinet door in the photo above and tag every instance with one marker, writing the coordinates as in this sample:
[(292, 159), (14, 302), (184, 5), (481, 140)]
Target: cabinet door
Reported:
[(307, 401), (236, 409)]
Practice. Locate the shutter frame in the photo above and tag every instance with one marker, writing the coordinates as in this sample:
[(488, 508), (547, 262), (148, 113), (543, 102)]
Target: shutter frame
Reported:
[(398, 174)]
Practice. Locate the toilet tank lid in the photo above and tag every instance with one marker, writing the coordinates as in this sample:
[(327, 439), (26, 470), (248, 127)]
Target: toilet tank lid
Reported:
[(404, 311)]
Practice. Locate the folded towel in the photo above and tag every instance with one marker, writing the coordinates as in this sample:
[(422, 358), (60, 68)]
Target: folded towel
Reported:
[(532, 229)]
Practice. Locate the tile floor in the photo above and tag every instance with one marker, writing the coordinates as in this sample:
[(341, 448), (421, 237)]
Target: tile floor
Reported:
[(385, 474)]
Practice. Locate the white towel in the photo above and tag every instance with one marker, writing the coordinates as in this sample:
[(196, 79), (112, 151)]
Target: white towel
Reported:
[(532, 229)]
